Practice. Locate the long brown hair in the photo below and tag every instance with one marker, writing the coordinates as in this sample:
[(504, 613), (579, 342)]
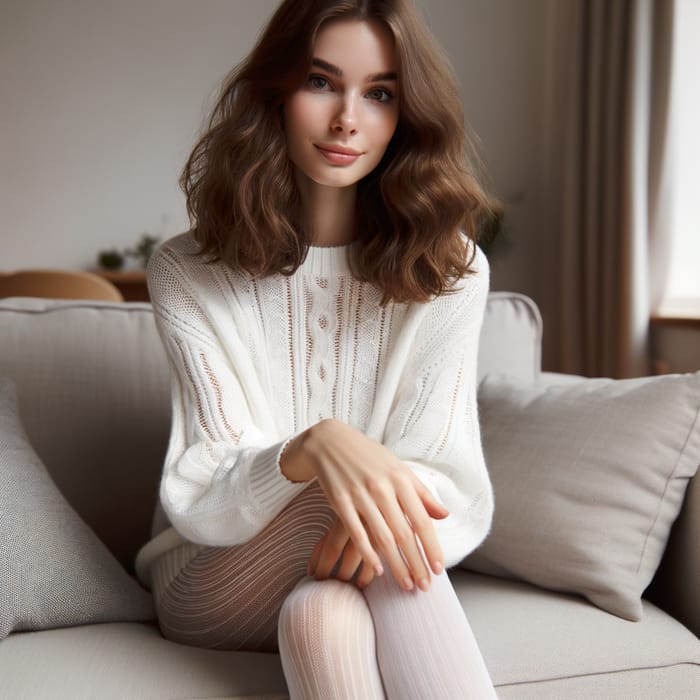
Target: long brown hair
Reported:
[(242, 199)]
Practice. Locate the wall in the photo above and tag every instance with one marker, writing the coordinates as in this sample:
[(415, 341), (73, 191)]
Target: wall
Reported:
[(101, 102), (500, 50)]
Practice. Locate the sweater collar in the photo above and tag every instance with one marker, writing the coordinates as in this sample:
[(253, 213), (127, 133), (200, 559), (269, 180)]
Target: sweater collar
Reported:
[(324, 260)]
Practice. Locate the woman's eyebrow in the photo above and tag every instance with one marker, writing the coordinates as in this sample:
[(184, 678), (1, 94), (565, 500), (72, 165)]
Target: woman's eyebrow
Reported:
[(334, 70)]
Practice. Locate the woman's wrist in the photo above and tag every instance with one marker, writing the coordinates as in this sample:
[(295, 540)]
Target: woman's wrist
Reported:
[(299, 459), (295, 463)]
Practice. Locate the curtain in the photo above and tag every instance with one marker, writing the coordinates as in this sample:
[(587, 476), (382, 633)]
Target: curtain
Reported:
[(609, 250)]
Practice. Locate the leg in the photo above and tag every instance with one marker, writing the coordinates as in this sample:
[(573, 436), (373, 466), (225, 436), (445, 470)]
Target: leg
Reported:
[(425, 646), (230, 597), (327, 643)]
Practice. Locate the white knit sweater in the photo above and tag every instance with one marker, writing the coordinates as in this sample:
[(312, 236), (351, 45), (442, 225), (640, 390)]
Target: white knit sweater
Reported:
[(254, 362)]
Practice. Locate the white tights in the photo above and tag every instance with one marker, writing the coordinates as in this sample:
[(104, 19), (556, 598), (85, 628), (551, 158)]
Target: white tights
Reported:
[(338, 642), (335, 641)]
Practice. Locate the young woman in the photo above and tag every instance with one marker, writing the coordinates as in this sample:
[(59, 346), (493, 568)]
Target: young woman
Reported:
[(321, 321)]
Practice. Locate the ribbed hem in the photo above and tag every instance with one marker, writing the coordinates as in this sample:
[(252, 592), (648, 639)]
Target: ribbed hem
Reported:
[(327, 260), (268, 485)]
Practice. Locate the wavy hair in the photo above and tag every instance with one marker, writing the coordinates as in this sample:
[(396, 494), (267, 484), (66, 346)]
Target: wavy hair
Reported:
[(412, 209)]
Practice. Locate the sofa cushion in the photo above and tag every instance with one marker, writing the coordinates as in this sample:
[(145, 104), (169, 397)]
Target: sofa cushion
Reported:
[(545, 645), (588, 478), (679, 682), (536, 644), (529, 634), (94, 397), (54, 571), (131, 660)]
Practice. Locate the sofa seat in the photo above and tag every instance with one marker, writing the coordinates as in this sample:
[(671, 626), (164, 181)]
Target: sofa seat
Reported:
[(537, 644), (89, 662), (544, 645)]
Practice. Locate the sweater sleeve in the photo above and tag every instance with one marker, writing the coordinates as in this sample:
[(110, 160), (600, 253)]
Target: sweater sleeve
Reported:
[(433, 426), (221, 481)]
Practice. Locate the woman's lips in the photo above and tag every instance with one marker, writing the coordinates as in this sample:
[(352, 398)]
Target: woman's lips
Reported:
[(345, 157)]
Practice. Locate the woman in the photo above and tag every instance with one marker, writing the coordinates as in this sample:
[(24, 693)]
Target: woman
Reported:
[(321, 321)]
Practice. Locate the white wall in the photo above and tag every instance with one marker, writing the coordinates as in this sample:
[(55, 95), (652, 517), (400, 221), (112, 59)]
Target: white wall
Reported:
[(100, 104)]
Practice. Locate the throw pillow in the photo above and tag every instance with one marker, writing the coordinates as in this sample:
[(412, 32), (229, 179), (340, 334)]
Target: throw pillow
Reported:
[(54, 571), (588, 478)]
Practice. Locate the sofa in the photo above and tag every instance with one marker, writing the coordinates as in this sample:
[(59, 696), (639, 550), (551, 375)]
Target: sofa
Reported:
[(92, 390)]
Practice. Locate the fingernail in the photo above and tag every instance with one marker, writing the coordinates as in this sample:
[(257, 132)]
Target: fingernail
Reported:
[(408, 584), (423, 584), (378, 570), (437, 567)]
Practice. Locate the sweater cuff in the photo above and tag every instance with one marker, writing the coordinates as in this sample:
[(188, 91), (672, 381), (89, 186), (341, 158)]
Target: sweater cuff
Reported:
[(268, 485)]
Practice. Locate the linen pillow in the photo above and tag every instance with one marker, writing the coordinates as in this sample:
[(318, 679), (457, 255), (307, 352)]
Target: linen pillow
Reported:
[(54, 571), (588, 478)]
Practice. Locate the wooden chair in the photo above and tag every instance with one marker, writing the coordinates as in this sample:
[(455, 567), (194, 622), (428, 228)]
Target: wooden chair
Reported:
[(57, 284)]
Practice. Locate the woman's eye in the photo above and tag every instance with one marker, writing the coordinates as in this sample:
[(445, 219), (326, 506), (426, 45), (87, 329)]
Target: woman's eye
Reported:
[(317, 82), (379, 94)]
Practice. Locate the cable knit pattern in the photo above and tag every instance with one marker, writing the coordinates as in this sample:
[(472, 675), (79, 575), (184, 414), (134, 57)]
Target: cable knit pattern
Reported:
[(254, 362)]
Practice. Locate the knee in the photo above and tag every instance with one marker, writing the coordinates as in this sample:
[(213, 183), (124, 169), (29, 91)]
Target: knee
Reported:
[(326, 613)]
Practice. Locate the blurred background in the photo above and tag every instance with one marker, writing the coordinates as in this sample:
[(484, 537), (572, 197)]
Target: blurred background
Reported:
[(582, 113)]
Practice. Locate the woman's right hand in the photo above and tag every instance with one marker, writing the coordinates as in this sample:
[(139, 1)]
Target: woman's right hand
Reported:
[(379, 500), (335, 555)]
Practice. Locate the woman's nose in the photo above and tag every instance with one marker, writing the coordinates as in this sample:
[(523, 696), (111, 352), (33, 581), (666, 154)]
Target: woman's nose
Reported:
[(346, 117)]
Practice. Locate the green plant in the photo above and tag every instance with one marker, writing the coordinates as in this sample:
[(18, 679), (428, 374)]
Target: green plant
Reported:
[(143, 250), (110, 259)]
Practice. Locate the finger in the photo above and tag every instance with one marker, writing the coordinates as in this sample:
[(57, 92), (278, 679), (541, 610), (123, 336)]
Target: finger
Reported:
[(331, 550), (406, 539), (313, 559), (434, 508), (383, 534), (365, 576), (424, 529), (357, 533), (350, 562)]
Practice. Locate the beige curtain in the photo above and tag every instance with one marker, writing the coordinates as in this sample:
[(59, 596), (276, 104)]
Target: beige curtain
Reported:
[(609, 250)]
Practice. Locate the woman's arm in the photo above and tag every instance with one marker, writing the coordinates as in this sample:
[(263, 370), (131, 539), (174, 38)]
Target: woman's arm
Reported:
[(433, 426), (432, 432), (221, 480), (383, 506)]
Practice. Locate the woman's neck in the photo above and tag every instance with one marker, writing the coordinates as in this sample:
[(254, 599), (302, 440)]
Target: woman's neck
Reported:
[(329, 212)]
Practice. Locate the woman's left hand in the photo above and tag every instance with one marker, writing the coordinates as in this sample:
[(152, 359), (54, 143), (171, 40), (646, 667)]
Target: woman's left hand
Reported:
[(337, 547)]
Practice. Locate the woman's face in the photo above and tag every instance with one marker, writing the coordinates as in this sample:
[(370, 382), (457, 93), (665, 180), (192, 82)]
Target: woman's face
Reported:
[(340, 121)]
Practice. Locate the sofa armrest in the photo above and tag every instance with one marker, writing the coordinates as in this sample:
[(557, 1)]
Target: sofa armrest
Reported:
[(676, 585)]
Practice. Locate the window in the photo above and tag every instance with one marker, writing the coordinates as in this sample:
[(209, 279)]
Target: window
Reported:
[(683, 286)]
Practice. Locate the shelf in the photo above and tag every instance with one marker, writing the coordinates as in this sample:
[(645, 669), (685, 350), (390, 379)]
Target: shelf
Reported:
[(131, 283)]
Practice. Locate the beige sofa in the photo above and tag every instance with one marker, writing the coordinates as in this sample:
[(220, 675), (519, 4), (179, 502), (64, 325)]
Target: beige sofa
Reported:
[(92, 383)]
